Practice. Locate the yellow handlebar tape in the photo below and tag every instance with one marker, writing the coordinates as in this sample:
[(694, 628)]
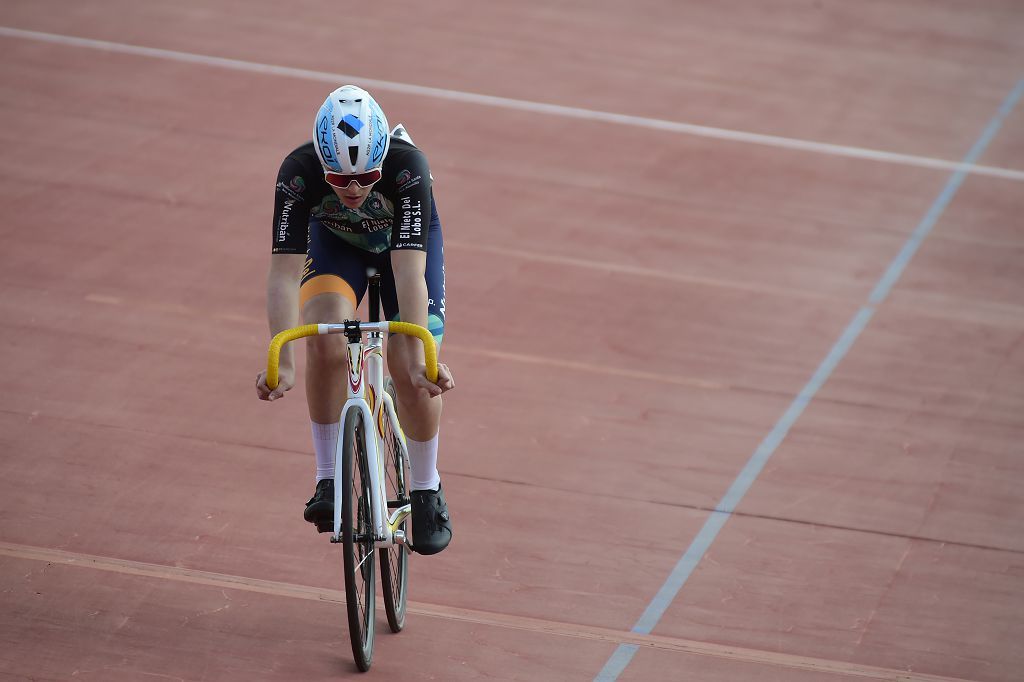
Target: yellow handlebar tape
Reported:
[(274, 354), (429, 348)]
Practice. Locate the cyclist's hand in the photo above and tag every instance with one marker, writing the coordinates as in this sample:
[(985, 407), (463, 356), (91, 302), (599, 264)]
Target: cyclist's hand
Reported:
[(285, 380), (444, 377), (444, 380)]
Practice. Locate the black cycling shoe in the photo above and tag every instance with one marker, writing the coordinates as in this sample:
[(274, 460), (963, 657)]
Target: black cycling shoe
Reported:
[(431, 527), (320, 508)]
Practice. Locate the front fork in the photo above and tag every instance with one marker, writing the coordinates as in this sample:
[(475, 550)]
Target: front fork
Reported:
[(365, 389)]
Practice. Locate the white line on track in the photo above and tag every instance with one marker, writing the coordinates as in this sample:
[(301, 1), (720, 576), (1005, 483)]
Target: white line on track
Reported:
[(767, 659), (523, 105), (637, 271)]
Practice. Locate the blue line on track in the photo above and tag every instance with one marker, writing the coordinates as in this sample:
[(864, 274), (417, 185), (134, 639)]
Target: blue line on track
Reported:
[(702, 542)]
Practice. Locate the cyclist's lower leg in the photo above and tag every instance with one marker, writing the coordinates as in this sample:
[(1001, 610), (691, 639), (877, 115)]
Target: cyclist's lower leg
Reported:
[(325, 395), (420, 415)]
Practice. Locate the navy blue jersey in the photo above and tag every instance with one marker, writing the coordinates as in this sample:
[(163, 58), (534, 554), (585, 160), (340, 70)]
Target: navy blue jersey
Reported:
[(395, 215)]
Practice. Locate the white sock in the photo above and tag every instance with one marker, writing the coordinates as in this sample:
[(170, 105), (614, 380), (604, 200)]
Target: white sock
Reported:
[(423, 460), (325, 442)]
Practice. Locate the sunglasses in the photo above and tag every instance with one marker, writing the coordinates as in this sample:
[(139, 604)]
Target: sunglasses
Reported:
[(342, 180)]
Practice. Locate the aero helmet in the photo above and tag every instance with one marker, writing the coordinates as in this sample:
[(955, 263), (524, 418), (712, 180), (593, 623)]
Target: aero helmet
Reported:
[(351, 132)]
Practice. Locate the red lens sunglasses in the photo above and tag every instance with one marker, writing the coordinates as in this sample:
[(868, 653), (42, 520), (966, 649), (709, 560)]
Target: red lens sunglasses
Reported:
[(342, 180)]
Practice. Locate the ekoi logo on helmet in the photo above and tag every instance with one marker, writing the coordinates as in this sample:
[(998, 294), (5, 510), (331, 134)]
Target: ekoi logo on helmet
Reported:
[(324, 136)]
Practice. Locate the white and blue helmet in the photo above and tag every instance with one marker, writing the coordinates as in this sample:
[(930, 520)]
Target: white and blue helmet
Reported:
[(351, 132)]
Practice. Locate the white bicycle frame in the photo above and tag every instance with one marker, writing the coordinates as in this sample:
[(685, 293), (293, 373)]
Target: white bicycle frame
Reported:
[(365, 388)]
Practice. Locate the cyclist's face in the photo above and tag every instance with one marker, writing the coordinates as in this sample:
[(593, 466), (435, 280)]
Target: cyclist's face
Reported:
[(353, 196)]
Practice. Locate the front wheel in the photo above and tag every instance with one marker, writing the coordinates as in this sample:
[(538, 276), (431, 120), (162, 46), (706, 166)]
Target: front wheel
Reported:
[(394, 560), (357, 539)]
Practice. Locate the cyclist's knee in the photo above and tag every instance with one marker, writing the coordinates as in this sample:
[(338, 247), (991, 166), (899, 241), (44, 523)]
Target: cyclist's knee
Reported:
[(403, 352), (326, 350), (403, 386), (413, 398), (328, 307)]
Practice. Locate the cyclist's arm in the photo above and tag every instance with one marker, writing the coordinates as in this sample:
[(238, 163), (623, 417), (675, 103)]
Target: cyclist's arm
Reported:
[(409, 266), (287, 262), (283, 298), (288, 250), (409, 240), (409, 237)]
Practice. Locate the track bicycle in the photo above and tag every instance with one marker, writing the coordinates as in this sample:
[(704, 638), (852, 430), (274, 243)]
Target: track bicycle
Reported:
[(372, 503)]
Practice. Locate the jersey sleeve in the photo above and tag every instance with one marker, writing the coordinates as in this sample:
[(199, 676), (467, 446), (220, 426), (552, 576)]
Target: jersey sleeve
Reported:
[(291, 209), (412, 203)]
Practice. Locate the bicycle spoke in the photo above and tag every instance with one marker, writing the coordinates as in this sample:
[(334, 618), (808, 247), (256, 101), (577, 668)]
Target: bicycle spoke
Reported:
[(360, 564)]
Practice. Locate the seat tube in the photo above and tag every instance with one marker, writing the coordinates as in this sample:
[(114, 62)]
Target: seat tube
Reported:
[(374, 302)]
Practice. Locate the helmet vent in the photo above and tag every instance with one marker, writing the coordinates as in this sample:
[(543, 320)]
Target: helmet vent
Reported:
[(353, 154)]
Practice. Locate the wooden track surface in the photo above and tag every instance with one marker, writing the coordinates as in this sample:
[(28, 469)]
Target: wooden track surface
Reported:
[(633, 311)]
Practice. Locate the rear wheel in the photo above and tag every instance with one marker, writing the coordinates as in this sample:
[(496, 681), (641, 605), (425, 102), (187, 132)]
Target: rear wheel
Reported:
[(357, 539), (394, 560)]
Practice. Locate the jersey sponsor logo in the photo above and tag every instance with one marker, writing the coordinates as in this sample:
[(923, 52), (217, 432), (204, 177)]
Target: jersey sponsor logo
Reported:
[(410, 225), (282, 225), (376, 224), (295, 187), (405, 180), (365, 227), (442, 308), (337, 226)]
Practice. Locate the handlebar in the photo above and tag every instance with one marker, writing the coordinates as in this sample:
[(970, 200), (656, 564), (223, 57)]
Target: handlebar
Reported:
[(409, 329)]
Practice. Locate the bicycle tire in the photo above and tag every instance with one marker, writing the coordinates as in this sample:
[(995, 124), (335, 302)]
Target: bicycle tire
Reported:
[(394, 560), (357, 540)]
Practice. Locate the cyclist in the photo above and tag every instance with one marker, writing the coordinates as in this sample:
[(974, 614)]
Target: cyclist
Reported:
[(359, 196)]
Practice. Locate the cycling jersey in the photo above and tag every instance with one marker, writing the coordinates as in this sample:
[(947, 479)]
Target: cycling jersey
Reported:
[(395, 215)]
